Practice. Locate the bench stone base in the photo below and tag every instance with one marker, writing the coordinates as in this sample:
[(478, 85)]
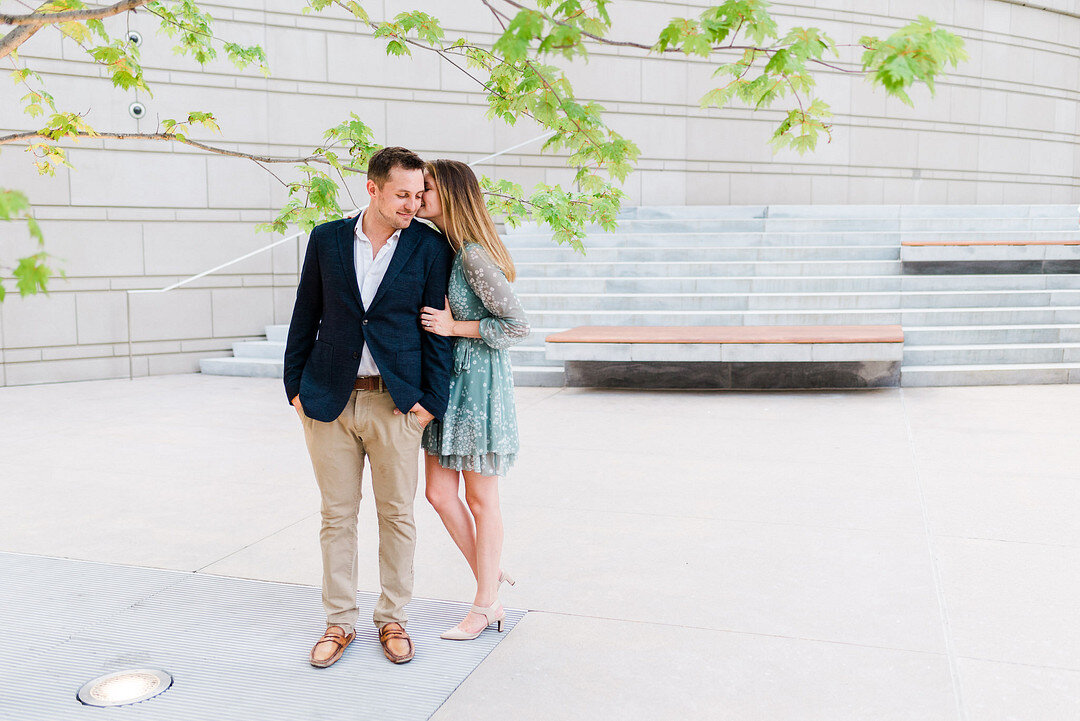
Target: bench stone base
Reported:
[(733, 376), (989, 267)]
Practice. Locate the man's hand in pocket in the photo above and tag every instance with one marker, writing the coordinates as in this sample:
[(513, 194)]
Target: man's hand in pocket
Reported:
[(421, 414)]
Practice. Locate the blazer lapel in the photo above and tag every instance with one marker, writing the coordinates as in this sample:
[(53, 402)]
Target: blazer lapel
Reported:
[(346, 251), (407, 242)]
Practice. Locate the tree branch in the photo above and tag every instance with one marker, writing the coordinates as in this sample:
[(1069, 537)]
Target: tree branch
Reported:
[(272, 174), (15, 38), (16, 137), (586, 134), (523, 201), (652, 48), (38, 19), (180, 26), (440, 51), (11, 42), (346, 186)]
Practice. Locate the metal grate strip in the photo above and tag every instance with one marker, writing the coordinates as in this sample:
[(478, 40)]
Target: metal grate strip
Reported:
[(236, 648)]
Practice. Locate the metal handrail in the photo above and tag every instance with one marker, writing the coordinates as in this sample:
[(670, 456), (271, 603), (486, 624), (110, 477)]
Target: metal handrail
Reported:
[(294, 236)]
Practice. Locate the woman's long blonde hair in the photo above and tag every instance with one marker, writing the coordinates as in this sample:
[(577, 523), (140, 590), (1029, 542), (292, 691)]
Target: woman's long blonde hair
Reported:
[(464, 214)]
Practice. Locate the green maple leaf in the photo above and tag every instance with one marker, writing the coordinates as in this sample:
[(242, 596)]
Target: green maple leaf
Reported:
[(32, 275)]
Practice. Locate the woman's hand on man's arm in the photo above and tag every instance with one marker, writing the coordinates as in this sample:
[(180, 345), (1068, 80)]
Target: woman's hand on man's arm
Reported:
[(441, 322)]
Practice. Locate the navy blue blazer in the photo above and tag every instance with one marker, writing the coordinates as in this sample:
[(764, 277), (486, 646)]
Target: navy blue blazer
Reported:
[(330, 324)]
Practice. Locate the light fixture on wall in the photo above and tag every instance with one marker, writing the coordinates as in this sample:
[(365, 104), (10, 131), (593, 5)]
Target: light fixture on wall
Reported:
[(137, 110), (121, 688), (134, 37)]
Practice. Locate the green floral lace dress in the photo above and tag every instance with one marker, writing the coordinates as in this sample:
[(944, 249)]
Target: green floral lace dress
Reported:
[(479, 431)]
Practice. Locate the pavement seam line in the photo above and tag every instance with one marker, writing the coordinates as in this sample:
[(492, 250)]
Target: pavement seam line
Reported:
[(1067, 669), (985, 539), (253, 543), (809, 639), (935, 570), (184, 577)]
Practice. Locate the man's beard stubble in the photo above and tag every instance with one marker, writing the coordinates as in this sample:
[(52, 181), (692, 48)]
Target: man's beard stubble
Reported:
[(393, 220)]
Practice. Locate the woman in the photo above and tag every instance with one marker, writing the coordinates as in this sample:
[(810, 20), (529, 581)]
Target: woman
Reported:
[(477, 438)]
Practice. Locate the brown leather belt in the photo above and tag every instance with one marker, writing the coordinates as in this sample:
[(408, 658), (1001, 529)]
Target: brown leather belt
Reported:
[(369, 383)]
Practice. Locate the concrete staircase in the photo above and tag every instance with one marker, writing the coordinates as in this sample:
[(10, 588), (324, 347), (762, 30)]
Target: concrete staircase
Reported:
[(794, 265), (805, 265), (253, 358)]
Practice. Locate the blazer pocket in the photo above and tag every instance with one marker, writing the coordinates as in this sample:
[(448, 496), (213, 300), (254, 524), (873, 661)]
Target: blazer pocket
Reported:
[(407, 280), (408, 365), (321, 353)]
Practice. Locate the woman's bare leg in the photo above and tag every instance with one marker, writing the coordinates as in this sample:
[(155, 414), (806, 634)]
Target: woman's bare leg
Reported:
[(482, 496), (442, 493)]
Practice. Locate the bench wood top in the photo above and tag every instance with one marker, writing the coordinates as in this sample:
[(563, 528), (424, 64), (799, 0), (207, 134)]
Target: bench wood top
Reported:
[(731, 334), (1075, 241)]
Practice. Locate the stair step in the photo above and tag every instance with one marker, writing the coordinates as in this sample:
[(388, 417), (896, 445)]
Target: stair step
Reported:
[(629, 226), (680, 302), (969, 212), (794, 284), (531, 355), (918, 336), (997, 354), (867, 316), (694, 211), (772, 239), (1059, 281), (990, 375), (259, 349), (539, 376), (249, 367), (699, 241), (731, 254), (715, 268)]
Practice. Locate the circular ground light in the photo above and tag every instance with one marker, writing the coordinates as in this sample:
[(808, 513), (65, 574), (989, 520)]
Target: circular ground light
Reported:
[(124, 687)]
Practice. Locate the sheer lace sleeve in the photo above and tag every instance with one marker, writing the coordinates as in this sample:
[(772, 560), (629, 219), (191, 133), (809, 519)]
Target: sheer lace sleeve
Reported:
[(507, 324)]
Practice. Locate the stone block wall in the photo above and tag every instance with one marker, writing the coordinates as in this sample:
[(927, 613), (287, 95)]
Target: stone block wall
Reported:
[(1002, 129)]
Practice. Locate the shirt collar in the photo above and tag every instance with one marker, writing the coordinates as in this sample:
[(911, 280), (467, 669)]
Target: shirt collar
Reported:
[(364, 239)]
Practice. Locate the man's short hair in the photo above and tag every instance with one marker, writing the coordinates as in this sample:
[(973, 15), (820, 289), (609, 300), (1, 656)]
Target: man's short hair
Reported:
[(382, 162)]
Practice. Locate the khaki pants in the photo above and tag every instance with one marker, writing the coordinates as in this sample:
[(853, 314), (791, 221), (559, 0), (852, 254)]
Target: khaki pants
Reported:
[(367, 428)]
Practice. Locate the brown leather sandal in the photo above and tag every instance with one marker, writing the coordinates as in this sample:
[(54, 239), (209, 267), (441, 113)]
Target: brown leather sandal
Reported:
[(390, 633), (335, 635)]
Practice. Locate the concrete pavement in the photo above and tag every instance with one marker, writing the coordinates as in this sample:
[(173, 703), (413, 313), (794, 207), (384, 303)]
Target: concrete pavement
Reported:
[(892, 554)]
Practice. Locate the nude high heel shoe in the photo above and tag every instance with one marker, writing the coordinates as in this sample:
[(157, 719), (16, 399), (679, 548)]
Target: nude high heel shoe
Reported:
[(505, 577), (492, 616)]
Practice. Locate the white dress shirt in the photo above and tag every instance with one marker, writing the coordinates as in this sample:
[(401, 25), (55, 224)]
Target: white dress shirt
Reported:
[(369, 274)]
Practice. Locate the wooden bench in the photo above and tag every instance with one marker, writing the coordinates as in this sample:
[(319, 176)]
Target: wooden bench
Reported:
[(954, 257), (735, 357)]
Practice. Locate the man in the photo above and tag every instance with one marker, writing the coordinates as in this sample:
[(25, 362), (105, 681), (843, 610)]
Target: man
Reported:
[(366, 380)]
